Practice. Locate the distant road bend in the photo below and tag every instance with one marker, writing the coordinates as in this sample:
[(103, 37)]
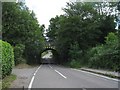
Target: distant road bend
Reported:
[(53, 76)]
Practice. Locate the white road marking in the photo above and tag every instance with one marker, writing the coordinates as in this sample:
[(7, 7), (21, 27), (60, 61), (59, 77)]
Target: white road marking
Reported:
[(61, 74), (50, 67), (31, 82), (30, 85), (96, 75)]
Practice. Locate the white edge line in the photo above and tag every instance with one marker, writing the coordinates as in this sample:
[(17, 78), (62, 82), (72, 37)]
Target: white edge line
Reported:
[(61, 74), (96, 75), (30, 85), (31, 82)]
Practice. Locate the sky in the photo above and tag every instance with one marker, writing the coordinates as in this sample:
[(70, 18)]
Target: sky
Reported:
[(46, 9)]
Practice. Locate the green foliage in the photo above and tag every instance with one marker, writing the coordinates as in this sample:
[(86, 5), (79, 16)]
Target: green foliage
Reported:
[(106, 56), (94, 57), (79, 35), (75, 54), (106, 25), (20, 27), (83, 27), (18, 53), (111, 39), (6, 82), (75, 64), (7, 58), (79, 24)]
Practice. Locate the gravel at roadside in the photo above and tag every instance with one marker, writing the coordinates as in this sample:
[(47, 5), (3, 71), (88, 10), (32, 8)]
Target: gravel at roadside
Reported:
[(24, 76)]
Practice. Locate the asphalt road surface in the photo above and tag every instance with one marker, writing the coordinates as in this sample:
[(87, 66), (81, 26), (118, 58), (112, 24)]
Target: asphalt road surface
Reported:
[(53, 76)]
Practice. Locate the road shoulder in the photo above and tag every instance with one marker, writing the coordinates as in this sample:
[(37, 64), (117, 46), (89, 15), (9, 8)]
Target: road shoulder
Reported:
[(110, 74), (24, 76)]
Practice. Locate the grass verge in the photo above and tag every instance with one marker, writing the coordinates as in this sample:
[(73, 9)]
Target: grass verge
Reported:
[(6, 82)]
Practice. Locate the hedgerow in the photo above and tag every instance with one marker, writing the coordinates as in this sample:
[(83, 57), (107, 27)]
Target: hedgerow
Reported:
[(7, 54)]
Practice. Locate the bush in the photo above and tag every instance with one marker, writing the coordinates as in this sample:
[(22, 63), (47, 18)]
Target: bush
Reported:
[(7, 58), (106, 56), (75, 64), (18, 53), (94, 56)]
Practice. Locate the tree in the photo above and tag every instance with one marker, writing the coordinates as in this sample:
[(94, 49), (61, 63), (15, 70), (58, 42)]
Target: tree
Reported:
[(77, 25), (20, 26), (81, 23)]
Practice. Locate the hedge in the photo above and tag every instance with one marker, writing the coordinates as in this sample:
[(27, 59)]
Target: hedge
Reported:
[(6, 52)]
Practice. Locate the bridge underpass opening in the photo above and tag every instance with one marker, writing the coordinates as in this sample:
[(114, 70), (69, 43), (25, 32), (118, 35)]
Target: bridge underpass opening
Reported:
[(49, 56)]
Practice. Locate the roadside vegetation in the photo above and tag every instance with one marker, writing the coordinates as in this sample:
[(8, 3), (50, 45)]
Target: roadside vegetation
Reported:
[(85, 36), (22, 40), (7, 58), (7, 63), (22, 31), (6, 82), (105, 56)]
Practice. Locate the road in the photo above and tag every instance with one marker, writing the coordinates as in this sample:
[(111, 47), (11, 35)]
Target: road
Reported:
[(53, 76), (48, 55)]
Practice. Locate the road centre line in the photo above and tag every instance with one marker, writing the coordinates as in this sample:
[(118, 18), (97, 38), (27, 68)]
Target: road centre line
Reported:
[(31, 82), (61, 74), (51, 67), (58, 72), (96, 75)]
